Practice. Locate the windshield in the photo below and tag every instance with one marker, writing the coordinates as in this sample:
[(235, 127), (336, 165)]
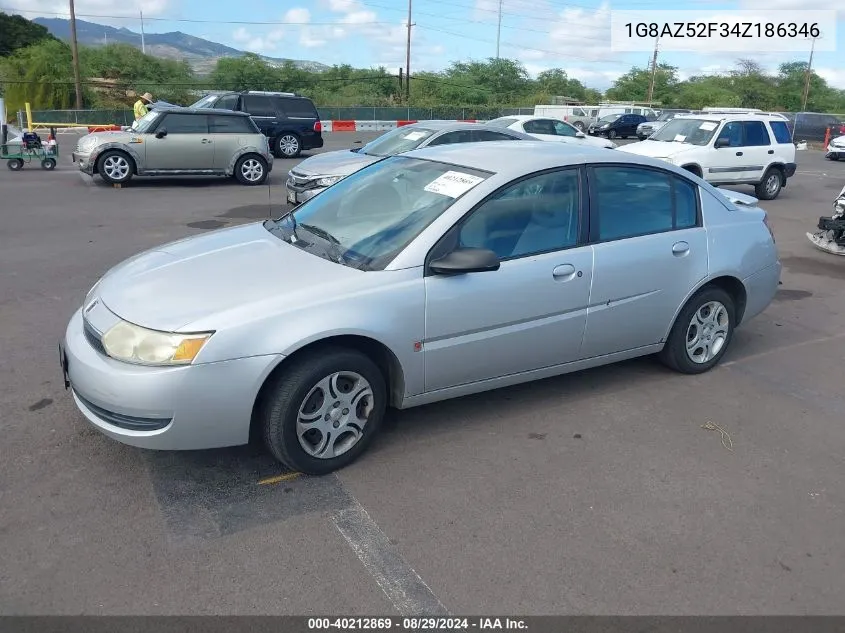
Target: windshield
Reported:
[(609, 118), (502, 122), (367, 218), (206, 102), (146, 122), (400, 140), (691, 131), (667, 116)]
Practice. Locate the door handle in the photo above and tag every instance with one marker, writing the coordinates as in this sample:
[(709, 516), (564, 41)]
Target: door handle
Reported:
[(206, 140), (739, 153), (771, 151), (680, 249), (564, 272)]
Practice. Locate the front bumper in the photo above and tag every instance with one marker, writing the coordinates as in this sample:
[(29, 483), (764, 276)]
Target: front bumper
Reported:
[(208, 405), (84, 162), (760, 289), (297, 194)]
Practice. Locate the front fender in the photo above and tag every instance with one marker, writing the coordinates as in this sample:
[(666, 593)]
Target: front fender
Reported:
[(136, 156)]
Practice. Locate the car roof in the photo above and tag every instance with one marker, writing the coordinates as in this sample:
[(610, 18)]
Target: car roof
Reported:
[(203, 111), (732, 116), (448, 126), (514, 159)]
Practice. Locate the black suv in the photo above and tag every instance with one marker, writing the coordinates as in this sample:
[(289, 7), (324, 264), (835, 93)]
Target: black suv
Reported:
[(290, 121)]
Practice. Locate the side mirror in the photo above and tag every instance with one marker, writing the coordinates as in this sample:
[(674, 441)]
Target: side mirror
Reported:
[(722, 142), (580, 135), (466, 260), (161, 133)]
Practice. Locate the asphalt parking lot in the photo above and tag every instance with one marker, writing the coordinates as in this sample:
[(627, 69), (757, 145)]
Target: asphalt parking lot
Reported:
[(593, 493)]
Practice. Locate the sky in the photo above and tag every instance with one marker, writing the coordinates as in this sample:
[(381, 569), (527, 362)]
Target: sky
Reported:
[(542, 34)]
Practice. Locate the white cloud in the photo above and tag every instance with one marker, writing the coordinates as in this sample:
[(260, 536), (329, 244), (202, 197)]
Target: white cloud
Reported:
[(86, 8), (834, 76), (297, 14)]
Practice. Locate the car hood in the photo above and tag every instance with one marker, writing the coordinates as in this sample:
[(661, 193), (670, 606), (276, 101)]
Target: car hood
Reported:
[(571, 140), (839, 141), (171, 286), (340, 163), (657, 149)]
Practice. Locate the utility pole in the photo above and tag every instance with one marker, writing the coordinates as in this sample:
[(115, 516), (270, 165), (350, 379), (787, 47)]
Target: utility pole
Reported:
[(807, 78), (408, 60), (653, 72), (499, 31), (143, 44), (74, 51)]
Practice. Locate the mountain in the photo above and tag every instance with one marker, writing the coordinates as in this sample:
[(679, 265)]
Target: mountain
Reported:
[(201, 54)]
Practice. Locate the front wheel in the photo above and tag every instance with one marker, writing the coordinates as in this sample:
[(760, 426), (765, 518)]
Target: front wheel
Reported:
[(770, 186), (580, 126), (832, 156), (251, 170), (320, 414), (115, 167), (701, 333), (48, 163), (611, 134)]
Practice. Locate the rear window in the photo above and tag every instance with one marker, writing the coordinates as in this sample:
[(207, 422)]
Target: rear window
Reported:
[(781, 131), (258, 105), (502, 122), (301, 108), (231, 125)]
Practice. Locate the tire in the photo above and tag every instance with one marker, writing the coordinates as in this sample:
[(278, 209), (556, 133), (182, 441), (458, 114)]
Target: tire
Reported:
[(287, 145), (833, 157), (298, 445), (771, 185), (15, 164), (115, 167), (49, 164), (579, 125), (678, 355), (251, 170), (611, 134)]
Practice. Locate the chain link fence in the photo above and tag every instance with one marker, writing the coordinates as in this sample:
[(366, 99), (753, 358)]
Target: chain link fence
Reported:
[(330, 113)]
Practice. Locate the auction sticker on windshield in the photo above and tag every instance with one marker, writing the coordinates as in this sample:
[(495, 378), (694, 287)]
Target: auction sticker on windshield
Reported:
[(453, 184), (413, 136), (680, 138), (708, 126)]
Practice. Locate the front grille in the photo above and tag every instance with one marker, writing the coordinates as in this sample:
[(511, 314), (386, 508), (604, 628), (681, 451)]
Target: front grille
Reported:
[(298, 182), (120, 420), (94, 338)]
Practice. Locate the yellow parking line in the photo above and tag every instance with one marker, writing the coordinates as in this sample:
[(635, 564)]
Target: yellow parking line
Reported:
[(278, 479)]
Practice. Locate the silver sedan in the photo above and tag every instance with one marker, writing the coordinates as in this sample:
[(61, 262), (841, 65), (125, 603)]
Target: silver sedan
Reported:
[(430, 275), (319, 172)]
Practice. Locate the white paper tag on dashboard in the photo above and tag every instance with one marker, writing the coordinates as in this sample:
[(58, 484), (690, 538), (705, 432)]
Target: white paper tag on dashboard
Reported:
[(453, 184), (708, 126), (413, 136)]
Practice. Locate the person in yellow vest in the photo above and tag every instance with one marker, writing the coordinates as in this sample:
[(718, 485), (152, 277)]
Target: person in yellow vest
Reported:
[(141, 108)]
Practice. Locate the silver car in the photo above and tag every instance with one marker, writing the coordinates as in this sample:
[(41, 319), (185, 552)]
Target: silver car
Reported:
[(315, 174), (433, 274), (647, 128), (179, 141)]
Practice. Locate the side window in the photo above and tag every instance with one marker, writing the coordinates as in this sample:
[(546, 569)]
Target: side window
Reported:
[(631, 201), (258, 105), (539, 126), (296, 108), (781, 131), (229, 102), (756, 134), (535, 215), (230, 125), (562, 129), (488, 135), (461, 136), (578, 112), (185, 124), (733, 132)]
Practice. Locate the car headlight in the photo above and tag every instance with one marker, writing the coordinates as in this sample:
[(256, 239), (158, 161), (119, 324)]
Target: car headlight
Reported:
[(605, 126), (135, 344), (88, 142), (328, 181)]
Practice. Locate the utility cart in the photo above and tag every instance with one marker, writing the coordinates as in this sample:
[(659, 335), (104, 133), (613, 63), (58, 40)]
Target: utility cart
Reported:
[(30, 149)]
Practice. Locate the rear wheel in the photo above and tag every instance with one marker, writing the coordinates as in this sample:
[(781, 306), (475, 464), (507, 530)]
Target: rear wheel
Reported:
[(611, 134), (579, 125), (115, 167), (288, 146), (770, 186), (251, 170), (701, 333), (322, 413), (15, 164)]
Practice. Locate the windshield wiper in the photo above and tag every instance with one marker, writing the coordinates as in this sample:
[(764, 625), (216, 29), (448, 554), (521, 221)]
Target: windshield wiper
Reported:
[(331, 239)]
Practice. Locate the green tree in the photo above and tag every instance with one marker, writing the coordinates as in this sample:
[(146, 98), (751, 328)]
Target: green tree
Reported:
[(17, 32), (249, 72), (633, 85), (42, 75)]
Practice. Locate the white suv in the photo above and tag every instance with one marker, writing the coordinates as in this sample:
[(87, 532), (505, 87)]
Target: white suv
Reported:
[(726, 149)]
